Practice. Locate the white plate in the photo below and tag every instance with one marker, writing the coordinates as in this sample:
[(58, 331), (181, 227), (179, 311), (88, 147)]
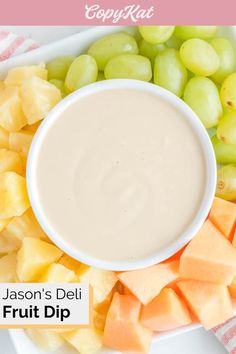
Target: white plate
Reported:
[(74, 45), (23, 345)]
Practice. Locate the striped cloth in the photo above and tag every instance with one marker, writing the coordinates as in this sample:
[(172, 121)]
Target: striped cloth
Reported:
[(11, 45), (226, 333)]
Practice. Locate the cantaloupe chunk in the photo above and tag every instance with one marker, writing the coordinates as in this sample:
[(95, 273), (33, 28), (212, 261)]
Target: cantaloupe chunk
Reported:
[(12, 117), (57, 273), (45, 339), (85, 340), (147, 283), (210, 302), (23, 226), (17, 75), (232, 288), (34, 257), (119, 288), (223, 215), (176, 256), (123, 331), (4, 136), (234, 237), (166, 312), (13, 195), (10, 161), (174, 287), (8, 268), (127, 291), (209, 257), (102, 282)]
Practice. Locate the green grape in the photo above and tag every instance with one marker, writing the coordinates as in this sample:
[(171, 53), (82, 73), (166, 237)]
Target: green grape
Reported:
[(129, 66), (136, 34), (202, 96), (174, 42), (211, 132), (218, 86), (169, 71), (228, 92), (150, 50), (189, 32), (60, 85), (225, 153), (83, 71), (101, 76), (156, 34), (225, 109), (199, 57), (226, 183), (57, 68), (226, 55), (111, 46), (190, 75), (226, 130)]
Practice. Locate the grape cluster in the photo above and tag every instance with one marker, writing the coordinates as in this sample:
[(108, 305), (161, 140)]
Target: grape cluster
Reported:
[(193, 62)]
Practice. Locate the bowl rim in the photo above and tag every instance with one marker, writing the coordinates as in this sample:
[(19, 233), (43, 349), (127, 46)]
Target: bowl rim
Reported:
[(208, 195)]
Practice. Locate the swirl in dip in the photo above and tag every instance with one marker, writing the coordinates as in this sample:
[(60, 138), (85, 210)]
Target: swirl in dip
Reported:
[(120, 174)]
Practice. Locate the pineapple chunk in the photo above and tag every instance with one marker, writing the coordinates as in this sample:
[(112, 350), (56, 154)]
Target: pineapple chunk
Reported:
[(86, 341), (12, 117), (2, 85), (63, 330), (17, 75), (13, 195), (4, 222), (10, 161), (38, 98), (70, 263), (102, 282), (8, 243), (34, 257), (4, 137), (45, 339), (100, 314), (20, 142), (8, 268), (32, 128), (25, 225), (57, 273)]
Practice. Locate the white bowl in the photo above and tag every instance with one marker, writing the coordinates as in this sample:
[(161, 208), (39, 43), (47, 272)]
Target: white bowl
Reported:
[(207, 197)]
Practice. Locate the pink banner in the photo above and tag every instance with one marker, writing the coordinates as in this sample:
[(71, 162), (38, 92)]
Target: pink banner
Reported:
[(117, 12)]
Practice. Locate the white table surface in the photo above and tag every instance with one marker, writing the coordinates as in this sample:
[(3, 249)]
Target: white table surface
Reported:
[(195, 342)]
